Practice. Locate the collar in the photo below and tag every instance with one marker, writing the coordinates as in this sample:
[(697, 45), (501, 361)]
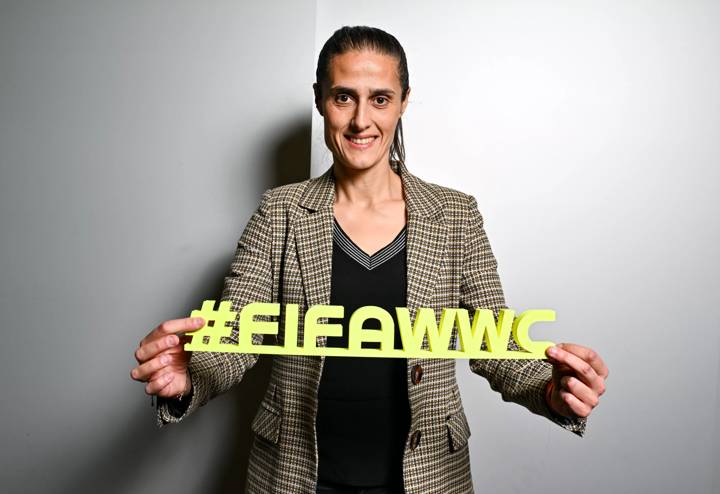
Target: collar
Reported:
[(421, 199)]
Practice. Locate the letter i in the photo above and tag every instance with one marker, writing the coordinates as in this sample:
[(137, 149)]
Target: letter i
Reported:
[(291, 326)]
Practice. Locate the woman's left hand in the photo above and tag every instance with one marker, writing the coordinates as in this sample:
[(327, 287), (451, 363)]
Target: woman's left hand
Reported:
[(578, 380)]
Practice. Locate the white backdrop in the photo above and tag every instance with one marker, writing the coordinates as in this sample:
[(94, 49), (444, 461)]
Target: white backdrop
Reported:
[(588, 132)]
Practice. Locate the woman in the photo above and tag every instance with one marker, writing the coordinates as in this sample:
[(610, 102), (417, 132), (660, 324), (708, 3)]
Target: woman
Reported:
[(366, 232)]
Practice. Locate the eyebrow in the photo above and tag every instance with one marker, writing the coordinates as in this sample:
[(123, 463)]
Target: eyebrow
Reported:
[(351, 91)]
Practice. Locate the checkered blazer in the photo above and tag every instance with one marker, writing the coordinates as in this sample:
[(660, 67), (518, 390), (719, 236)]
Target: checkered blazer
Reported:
[(285, 255)]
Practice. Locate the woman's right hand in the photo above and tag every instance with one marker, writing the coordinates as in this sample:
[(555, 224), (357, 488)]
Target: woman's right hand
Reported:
[(162, 360)]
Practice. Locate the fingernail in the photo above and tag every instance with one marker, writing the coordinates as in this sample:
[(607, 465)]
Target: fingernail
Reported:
[(552, 351), (171, 340), (168, 378), (164, 359), (198, 321)]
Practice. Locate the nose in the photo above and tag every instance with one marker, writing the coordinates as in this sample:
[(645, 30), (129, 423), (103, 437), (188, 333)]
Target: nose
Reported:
[(360, 120)]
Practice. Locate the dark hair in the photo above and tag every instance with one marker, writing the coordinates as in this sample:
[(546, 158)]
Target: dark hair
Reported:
[(349, 38)]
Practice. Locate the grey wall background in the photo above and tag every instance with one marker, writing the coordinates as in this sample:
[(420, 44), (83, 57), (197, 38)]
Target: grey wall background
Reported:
[(136, 139), (589, 132)]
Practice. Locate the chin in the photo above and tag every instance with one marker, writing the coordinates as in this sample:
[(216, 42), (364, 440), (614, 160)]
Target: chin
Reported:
[(354, 165), (360, 163)]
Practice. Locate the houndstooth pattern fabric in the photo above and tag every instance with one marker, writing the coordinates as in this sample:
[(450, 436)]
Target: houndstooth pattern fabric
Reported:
[(284, 255)]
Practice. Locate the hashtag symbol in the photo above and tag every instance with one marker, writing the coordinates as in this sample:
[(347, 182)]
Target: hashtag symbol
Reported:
[(208, 337)]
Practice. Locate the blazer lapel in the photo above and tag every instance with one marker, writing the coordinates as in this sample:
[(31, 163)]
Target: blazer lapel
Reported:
[(426, 240), (314, 245), (314, 241)]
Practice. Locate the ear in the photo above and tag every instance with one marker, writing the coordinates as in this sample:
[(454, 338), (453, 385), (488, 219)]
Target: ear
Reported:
[(405, 101), (318, 105)]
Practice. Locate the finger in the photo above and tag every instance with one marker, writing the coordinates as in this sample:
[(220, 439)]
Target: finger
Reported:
[(178, 360), (574, 404), (175, 326), (597, 391), (178, 348), (158, 384), (582, 369), (151, 348), (145, 371), (580, 390), (178, 325), (588, 355)]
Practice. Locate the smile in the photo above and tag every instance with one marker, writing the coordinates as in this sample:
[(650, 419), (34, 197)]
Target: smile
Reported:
[(360, 143)]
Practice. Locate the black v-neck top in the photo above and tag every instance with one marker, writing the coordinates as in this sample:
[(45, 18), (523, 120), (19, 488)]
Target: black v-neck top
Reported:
[(363, 410)]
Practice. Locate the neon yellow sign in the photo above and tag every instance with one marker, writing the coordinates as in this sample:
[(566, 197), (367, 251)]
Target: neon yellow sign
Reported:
[(471, 335)]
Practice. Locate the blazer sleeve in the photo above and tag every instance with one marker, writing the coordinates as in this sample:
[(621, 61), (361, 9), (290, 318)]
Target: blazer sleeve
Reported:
[(249, 280), (518, 381)]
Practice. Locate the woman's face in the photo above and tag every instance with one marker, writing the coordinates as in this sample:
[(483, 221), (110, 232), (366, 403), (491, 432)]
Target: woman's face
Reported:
[(360, 103)]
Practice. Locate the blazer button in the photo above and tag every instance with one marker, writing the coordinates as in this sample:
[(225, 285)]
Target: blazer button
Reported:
[(416, 375), (415, 439)]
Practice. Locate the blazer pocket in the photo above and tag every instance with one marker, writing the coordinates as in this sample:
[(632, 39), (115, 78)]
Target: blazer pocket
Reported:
[(266, 423), (458, 430)]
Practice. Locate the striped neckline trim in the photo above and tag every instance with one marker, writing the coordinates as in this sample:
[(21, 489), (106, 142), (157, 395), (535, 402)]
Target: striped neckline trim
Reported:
[(368, 261)]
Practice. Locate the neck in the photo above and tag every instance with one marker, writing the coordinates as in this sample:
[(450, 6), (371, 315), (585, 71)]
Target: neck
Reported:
[(366, 187)]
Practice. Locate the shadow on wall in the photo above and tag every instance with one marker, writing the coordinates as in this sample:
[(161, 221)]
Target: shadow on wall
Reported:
[(289, 161), (290, 157), (139, 445)]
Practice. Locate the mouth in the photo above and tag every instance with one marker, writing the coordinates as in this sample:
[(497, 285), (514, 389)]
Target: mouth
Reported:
[(361, 142)]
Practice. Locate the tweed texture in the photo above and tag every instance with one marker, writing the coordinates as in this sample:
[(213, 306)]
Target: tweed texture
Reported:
[(284, 255)]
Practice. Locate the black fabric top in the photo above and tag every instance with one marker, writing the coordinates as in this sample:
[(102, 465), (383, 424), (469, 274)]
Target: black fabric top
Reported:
[(363, 410)]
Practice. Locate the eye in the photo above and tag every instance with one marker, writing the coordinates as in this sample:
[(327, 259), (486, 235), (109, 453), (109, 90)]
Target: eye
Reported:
[(381, 100), (342, 98)]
